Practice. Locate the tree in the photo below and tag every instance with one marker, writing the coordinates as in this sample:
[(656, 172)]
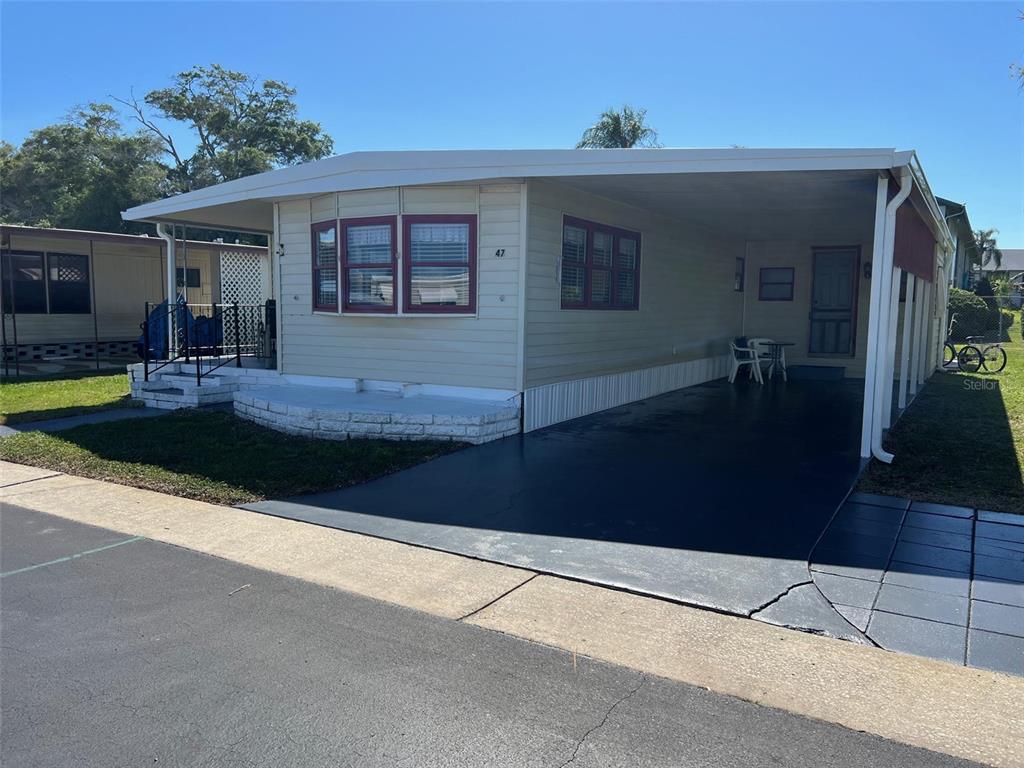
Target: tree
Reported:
[(240, 126), (80, 173), (986, 249), (1017, 69), (623, 129)]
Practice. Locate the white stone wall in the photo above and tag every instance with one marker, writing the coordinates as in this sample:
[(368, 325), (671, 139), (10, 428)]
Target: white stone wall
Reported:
[(342, 425)]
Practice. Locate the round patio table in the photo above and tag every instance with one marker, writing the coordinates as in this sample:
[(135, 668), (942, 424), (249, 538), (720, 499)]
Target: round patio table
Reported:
[(775, 357)]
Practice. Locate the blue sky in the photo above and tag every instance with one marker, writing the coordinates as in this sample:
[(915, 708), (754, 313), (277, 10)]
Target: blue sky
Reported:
[(928, 76)]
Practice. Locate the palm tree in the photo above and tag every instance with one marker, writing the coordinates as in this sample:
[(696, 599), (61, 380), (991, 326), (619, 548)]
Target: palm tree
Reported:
[(620, 129), (985, 248)]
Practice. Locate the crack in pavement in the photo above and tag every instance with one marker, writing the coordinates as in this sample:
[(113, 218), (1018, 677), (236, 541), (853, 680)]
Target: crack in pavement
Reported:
[(502, 596), (778, 597), (30, 480), (604, 720)]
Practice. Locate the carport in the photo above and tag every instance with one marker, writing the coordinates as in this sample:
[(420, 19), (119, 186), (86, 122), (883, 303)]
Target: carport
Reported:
[(712, 495), (670, 482)]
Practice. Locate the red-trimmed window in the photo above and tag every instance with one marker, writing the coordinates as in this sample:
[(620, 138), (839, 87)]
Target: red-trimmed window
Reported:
[(369, 264), (325, 267), (439, 264), (600, 266)]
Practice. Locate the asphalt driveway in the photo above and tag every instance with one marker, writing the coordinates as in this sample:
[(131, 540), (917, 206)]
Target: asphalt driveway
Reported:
[(713, 495)]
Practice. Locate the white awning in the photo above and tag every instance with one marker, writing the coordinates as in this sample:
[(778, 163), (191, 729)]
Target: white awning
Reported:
[(246, 204)]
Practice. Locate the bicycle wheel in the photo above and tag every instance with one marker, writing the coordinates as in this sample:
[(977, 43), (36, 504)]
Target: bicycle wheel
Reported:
[(948, 355), (994, 359), (969, 359)]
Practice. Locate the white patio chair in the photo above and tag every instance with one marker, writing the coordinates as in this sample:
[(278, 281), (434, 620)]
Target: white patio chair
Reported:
[(744, 356), (764, 355)]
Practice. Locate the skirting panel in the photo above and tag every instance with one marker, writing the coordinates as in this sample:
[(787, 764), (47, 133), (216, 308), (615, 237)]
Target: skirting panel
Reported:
[(56, 349), (553, 403)]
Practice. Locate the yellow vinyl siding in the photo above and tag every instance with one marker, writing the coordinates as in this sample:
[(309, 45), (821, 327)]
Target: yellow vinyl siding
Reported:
[(688, 309), (477, 351)]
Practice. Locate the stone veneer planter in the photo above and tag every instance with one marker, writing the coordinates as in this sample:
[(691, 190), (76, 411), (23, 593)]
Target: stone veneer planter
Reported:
[(338, 424)]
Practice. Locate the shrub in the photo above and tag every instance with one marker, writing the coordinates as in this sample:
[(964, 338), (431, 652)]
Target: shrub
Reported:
[(972, 314), (1007, 320)]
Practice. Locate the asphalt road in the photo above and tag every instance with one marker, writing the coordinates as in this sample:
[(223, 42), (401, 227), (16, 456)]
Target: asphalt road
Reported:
[(139, 653)]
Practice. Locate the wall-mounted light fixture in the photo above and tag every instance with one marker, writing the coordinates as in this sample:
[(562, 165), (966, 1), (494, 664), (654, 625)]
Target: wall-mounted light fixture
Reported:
[(867, 270)]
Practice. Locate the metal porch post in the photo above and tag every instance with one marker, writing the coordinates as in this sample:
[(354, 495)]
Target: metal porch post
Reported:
[(145, 345), (238, 345)]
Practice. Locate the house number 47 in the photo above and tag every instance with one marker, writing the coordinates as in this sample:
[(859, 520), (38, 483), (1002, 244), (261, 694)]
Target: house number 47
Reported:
[(499, 253)]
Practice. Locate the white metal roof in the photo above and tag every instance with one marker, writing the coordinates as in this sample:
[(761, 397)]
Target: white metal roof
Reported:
[(1012, 261), (245, 204)]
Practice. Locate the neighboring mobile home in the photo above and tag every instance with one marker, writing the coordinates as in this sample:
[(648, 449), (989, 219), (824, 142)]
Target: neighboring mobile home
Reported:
[(1010, 267), (565, 282), (78, 294), (961, 273)]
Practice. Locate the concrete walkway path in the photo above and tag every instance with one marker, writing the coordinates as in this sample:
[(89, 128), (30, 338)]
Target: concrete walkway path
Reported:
[(931, 579), (969, 713), (67, 422)]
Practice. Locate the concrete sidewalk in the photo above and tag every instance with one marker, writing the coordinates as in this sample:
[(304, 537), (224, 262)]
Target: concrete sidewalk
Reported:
[(967, 713)]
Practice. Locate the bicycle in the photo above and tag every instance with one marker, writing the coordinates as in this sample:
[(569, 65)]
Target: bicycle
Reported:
[(974, 355)]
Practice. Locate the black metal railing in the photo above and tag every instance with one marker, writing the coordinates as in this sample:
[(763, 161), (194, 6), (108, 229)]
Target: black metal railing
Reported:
[(210, 335)]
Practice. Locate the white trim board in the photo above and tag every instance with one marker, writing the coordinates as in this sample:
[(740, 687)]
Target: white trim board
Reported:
[(554, 403)]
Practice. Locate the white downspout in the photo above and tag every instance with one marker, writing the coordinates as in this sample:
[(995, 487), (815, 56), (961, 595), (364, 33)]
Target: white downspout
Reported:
[(909, 342), (882, 368), (172, 284), (874, 317)]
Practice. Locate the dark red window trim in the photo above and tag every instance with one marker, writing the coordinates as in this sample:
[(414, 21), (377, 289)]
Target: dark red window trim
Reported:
[(323, 226), (377, 309), (588, 267), (407, 306), (791, 283)]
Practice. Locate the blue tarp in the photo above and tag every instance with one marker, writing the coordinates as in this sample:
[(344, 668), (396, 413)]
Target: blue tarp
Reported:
[(205, 334)]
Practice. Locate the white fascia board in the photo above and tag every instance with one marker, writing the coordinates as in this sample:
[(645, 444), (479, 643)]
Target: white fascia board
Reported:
[(373, 170), (929, 197)]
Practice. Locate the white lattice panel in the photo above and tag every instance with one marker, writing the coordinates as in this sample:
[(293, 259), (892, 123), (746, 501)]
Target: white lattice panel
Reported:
[(244, 277)]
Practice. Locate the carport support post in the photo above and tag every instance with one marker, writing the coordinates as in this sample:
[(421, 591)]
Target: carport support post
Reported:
[(874, 318), (927, 347), (890, 349), (910, 340), (920, 350)]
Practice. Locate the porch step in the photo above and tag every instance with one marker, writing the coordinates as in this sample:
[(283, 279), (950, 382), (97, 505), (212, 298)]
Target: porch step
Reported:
[(186, 382), (166, 391)]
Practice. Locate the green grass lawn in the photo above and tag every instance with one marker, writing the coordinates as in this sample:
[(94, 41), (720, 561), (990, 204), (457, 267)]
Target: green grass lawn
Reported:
[(55, 396), (214, 456), (960, 442)]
